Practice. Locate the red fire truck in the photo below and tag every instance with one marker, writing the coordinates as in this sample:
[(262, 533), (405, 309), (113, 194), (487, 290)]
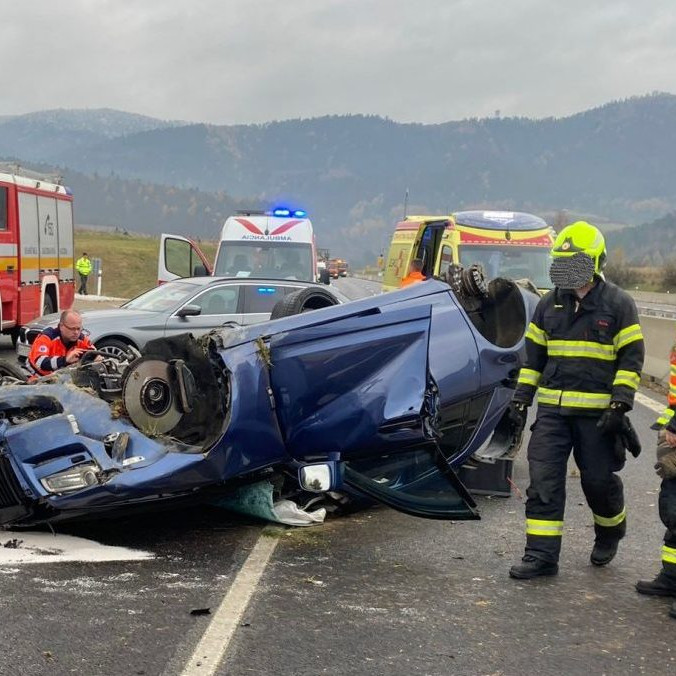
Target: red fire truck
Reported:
[(36, 249)]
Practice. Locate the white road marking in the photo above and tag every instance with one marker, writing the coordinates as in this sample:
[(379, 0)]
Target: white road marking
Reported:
[(213, 644), (650, 403), (35, 547)]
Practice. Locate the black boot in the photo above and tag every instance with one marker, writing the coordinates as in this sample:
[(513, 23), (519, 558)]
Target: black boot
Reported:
[(660, 586), (604, 552), (532, 567)]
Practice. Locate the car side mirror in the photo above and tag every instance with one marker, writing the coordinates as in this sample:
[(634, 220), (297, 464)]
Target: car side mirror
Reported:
[(324, 276), (189, 311), (319, 477), (199, 271)]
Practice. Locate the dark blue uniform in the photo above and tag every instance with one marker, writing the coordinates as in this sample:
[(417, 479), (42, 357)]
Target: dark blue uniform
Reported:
[(581, 356)]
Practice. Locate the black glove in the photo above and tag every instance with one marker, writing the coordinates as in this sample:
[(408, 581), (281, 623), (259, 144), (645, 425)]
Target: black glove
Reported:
[(612, 418), (629, 437), (518, 412)]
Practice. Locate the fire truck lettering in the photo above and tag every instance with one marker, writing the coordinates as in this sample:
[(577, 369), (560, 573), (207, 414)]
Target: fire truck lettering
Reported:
[(30, 250)]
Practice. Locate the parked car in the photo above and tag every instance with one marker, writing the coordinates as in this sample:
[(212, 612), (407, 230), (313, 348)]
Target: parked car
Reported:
[(386, 396), (194, 305)]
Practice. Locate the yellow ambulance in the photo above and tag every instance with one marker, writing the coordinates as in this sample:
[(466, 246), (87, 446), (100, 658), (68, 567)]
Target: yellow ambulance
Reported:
[(509, 244)]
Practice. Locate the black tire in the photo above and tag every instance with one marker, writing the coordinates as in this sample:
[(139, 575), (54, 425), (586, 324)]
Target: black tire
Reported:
[(303, 300), (48, 307), (12, 370), (113, 346)]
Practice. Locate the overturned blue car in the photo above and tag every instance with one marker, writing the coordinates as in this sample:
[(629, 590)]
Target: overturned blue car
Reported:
[(384, 397)]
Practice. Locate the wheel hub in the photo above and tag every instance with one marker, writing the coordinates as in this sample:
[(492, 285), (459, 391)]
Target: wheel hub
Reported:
[(149, 398)]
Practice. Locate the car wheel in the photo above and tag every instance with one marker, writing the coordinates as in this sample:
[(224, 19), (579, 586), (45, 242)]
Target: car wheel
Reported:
[(9, 370), (48, 306), (303, 300), (114, 347)]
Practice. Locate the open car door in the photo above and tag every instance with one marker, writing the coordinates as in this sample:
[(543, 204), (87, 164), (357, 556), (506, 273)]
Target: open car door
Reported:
[(180, 257), (359, 388), (428, 244), (419, 482)]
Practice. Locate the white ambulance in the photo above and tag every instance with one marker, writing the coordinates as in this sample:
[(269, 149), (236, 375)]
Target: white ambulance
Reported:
[(279, 244)]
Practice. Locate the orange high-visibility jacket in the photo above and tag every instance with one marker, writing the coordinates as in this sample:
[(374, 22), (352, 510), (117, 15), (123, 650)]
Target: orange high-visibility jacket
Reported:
[(412, 278), (667, 418), (48, 352)]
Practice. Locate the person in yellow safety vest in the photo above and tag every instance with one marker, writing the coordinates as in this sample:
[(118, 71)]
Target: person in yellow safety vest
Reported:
[(665, 582), (584, 355), (84, 269), (414, 273)]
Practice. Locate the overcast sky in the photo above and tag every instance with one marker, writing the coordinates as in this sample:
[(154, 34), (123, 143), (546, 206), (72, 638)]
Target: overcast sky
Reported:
[(243, 61)]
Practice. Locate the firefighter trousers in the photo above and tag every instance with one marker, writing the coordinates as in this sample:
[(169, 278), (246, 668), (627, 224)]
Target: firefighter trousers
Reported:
[(598, 456), (667, 505)]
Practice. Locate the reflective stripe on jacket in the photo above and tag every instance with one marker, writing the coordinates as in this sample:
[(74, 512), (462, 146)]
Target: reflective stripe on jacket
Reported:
[(582, 357), (48, 352), (666, 418)]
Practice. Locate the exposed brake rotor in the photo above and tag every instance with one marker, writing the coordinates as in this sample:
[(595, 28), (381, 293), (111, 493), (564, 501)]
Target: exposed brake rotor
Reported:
[(149, 396)]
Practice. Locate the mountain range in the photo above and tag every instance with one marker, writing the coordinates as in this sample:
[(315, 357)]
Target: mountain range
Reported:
[(355, 174)]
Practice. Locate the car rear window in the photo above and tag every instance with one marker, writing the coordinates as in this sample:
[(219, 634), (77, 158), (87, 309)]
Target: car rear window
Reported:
[(261, 298)]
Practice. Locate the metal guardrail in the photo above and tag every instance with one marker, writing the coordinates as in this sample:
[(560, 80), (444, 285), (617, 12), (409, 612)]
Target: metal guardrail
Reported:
[(656, 311)]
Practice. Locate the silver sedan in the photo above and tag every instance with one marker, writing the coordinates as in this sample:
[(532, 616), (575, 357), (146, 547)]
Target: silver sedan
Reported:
[(194, 305)]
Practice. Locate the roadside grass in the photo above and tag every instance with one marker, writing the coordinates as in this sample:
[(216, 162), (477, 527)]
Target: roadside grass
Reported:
[(128, 262)]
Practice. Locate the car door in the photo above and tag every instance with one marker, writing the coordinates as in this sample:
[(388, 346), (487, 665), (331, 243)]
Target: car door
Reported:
[(180, 257), (359, 388), (427, 244), (218, 304)]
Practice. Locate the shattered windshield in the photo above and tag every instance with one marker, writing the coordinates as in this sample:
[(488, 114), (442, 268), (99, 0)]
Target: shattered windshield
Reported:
[(163, 298), (510, 262)]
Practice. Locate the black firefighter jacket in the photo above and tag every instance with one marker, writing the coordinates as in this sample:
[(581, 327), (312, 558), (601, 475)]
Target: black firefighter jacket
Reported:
[(581, 356)]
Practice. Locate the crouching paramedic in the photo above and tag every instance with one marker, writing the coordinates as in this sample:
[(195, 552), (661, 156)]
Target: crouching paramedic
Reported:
[(55, 348), (665, 582), (584, 354)]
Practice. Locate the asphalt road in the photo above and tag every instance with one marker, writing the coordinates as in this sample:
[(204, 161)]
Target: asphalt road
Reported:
[(376, 592)]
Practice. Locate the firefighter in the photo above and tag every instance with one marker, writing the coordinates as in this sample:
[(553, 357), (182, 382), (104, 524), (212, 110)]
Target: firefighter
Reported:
[(414, 273), (665, 582), (55, 348), (584, 354)]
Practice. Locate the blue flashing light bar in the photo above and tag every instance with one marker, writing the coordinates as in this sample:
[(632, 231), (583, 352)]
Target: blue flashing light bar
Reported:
[(266, 290), (285, 212)]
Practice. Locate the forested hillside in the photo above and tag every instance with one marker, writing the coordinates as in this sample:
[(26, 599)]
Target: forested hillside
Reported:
[(352, 173), (651, 244)]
